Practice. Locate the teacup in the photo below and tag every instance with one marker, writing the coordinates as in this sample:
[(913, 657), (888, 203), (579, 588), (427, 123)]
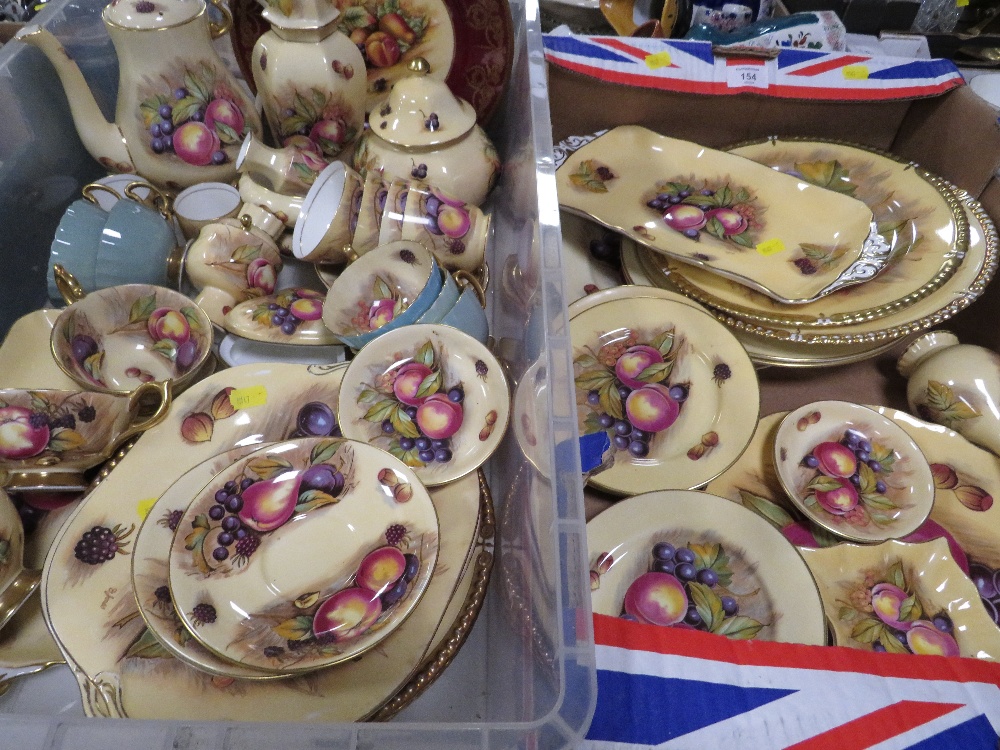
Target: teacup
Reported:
[(230, 262), (290, 170), (324, 226), (48, 438), (453, 230), (384, 289), (369, 220), (285, 207), (391, 227), (469, 312), (446, 300), (118, 183), (206, 203), (263, 219), (115, 339), (77, 238)]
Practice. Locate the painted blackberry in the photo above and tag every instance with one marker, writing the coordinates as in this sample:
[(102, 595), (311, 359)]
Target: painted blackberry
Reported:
[(65, 420), (385, 111), (272, 652), (721, 373), (101, 544), (395, 534), (245, 547), (481, 369), (456, 247), (407, 256), (805, 266), (87, 414), (162, 594), (144, 6), (603, 173), (297, 645), (38, 419), (171, 519), (203, 614)]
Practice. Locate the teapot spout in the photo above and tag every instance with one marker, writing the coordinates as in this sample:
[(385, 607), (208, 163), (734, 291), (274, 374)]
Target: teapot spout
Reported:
[(102, 139)]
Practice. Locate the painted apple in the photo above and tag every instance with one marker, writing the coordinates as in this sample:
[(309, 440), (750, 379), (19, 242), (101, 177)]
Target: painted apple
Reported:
[(633, 361), (332, 132), (261, 275), (195, 143), (656, 599), (836, 460), (438, 417), (887, 601), (166, 323), (732, 221), (651, 408), (395, 24), (346, 615), (407, 382), (381, 569), (225, 112), (448, 199), (684, 216), (453, 222), (382, 49), (18, 438), (270, 503), (838, 501), (306, 309), (381, 313), (924, 638)]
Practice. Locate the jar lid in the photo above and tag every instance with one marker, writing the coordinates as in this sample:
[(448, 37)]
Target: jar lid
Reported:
[(421, 111), (151, 14), (300, 14)]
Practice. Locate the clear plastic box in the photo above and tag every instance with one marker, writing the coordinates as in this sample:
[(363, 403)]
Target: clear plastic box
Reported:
[(526, 676)]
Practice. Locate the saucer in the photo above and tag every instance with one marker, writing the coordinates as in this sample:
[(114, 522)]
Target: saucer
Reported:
[(430, 395), (290, 316), (675, 391), (303, 554), (902, 598), (723, 213), (853, 471), (691, 559)]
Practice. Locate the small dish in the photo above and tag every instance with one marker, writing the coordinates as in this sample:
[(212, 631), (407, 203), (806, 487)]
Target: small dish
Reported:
[(323, 541), (723, 213), (902, 598), (289, 316), (431, 396), (853, 471), (676, 392), (48, 438), (115, 339), (236, 351), (382, 290), (694, 560)]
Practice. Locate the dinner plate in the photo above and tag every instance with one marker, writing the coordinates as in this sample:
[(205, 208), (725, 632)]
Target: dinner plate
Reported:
[(733, 216), (468, 43), (902, 598), (320, 550), (692, 559), (432, 396), (676, 393), (853, 471), (917, 213)]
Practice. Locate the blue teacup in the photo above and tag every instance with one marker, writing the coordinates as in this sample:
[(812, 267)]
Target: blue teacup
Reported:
[(75, 244), (469, 315), (136, 246), (446, 300)]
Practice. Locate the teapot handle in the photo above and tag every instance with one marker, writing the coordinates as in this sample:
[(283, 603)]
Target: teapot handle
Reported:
[(218, 30)]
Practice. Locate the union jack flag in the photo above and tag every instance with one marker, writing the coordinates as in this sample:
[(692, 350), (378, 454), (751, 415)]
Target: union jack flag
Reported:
[(691, 66), (670, 688)]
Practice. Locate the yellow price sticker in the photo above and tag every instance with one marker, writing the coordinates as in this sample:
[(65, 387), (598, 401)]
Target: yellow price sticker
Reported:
[(856, 72), (658, 60), (770, 247), (244, 398), (961, 3), (145, 506)]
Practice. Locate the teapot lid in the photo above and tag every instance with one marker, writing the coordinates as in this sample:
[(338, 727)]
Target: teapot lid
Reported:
[(421, 111), (151, 14), (300, 14)]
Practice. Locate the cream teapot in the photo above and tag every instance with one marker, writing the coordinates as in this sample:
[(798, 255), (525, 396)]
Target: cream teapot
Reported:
[(180, 117)]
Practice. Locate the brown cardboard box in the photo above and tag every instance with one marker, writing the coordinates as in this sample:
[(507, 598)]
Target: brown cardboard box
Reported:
[(955, 135)]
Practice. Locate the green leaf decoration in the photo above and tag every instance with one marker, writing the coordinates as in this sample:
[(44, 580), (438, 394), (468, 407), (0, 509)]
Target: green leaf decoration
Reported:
[(261, 316), (591, 425), (885, 456), (712, 556), (380, 410), (739, 628), (381, 290), (910, 609), (586, 178), (877, 501), (166, 348), (269, 466), (827, 174), (430, 385), (823, 537), (142, 308), (742, 196), (147, 646), (368, 396), (197, 88), (294, 629), (285, 297), (708, 604), (201, 522), (949, 408), (319, 99), (743, 239), (305, 173), (611, 400), (714, 227), (403, 424), (895, 575), (592, 380), (323, 452), (892, 644), (656, 373), (40, 403), (724, 196), (293, 124), (868, 478), (312, 499), (868, 630), (226, 134), (823, 483), (185, 109), (93, 364), (767, 509), (195, 541), (66, 440), (150, 109), (847, 614), (246, 253), (425, 355), (305, 107), (664, 342), (586, 361)]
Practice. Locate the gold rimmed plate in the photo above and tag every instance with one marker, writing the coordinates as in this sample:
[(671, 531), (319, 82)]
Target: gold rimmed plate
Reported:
[(690, 559), (675, 392), (917, 213), (724, 213)]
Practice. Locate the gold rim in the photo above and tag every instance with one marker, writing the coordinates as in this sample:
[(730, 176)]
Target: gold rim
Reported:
[(951, 263), (111, 23)]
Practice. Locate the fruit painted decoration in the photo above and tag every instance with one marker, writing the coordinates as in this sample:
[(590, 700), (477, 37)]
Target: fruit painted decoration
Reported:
[(925, 638), (385, 303), (887, 602), (22, 434), (987, 581), (628, 390), (715, 208), (384, 32), (317, 122), (346, 615), (269, 504), (656, 599), (289, 309), (416, 412)]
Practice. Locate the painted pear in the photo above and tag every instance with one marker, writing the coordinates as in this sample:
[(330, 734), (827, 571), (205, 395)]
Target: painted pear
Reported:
[(270, 503)]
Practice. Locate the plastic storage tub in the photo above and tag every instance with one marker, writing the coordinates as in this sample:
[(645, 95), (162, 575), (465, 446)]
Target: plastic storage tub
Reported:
[(526, 676)]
